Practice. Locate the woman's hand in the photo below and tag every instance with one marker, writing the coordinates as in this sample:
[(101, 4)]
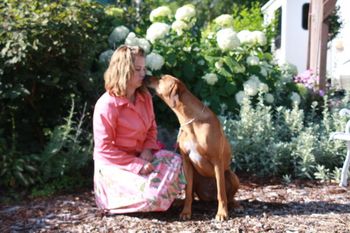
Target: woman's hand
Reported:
[(146, 169), (147, 155)]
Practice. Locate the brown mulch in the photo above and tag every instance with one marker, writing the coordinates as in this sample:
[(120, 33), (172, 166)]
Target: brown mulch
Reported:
[(265, 207)]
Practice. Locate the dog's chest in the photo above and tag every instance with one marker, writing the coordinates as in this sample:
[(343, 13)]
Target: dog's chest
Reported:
[(190, 147)]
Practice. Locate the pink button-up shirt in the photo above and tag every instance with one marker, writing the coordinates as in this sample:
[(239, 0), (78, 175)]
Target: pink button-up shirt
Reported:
[(122, 130)]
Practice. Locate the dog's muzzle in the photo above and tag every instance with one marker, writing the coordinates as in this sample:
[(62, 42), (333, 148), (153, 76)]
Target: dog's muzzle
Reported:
[(147, 81)]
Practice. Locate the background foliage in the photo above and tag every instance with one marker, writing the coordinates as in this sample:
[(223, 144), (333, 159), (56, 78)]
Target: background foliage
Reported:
[(48, 57)]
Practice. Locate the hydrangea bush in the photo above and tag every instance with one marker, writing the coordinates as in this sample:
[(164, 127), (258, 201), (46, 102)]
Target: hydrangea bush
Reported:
[(220, 65)]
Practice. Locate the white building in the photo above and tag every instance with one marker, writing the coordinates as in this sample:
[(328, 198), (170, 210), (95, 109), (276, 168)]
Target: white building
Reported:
[(292, 40), (338, 62), (291, 43)]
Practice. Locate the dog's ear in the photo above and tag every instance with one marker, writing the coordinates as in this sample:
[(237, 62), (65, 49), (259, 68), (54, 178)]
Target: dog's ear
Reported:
[(174, 95)]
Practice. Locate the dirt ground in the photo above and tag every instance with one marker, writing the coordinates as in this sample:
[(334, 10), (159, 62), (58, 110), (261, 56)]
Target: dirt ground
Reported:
[(267, 206)]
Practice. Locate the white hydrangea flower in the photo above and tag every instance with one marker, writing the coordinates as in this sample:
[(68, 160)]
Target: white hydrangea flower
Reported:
[(118, 34), (266, 65), (201, 62), (187, 49), (287, 79), (223, 107), (263, 87), (157, 31), (179, 26), (240, 97), (218, 65), (227, 39), (210, 78), (133, 40), (185, 13), (224, 20), (265, 68), (162, 11), (144, 44), (252, 60), (251, 86), (289, 69), (259, 37), (245, 37), (295, 97), (154, 61), (255, 78), (269, 98), (105, 56), (196, 49), (263, 71)]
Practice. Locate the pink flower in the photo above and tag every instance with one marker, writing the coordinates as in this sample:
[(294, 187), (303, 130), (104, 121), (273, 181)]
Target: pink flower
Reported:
[(309, 80)]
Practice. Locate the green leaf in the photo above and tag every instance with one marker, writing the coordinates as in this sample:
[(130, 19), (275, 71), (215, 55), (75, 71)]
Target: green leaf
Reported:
[(3, 171), (230, 88), (155, 180), (231, 63), (19, 168), (171, 59), (226, 73), (30, 168), (188, 70), (20, 176)]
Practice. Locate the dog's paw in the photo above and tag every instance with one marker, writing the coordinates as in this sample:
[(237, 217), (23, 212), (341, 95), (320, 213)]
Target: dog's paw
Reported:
[(221, 216), (185, 215)]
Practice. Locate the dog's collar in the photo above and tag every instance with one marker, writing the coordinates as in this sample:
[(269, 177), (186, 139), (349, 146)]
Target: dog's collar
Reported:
[(187, 123), (193, 119)]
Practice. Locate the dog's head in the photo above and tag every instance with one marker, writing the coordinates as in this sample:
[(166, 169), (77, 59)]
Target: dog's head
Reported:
[(168, 88)]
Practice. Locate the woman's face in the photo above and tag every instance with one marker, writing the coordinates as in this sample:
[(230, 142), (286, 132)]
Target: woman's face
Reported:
[(139, 74)]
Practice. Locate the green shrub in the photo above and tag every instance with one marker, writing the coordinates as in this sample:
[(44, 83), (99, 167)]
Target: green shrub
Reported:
[(67, 153), (48, 51), (283, 143), (69, 149)]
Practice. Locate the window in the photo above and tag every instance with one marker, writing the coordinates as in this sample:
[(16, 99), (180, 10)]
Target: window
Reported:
[(305, 16), (278, 27)]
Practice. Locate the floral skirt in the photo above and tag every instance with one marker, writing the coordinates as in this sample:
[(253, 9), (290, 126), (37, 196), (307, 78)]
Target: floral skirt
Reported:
[(121, 191)]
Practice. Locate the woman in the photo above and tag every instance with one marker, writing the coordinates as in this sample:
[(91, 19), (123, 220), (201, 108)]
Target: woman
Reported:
[(131, 173)]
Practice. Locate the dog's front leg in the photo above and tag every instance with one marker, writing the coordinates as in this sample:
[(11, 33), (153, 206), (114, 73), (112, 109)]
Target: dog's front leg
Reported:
[(188, 170), (222, 213)]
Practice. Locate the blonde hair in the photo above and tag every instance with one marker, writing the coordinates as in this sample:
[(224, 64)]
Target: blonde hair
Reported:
[(121, 68)]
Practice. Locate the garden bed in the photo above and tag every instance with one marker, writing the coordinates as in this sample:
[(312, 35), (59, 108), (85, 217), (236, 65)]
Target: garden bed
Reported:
[(267, 206)]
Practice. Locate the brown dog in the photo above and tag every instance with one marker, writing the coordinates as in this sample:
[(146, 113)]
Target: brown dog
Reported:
[(205, 149)]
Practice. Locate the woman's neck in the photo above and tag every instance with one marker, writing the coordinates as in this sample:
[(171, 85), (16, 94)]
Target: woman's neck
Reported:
[(131, 95)]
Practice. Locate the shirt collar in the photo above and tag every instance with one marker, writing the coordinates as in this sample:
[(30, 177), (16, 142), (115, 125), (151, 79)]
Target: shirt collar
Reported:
[(121, 100)]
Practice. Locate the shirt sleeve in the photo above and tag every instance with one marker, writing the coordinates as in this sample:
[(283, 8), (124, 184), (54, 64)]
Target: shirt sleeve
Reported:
[(104, 123), (151, 138)]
